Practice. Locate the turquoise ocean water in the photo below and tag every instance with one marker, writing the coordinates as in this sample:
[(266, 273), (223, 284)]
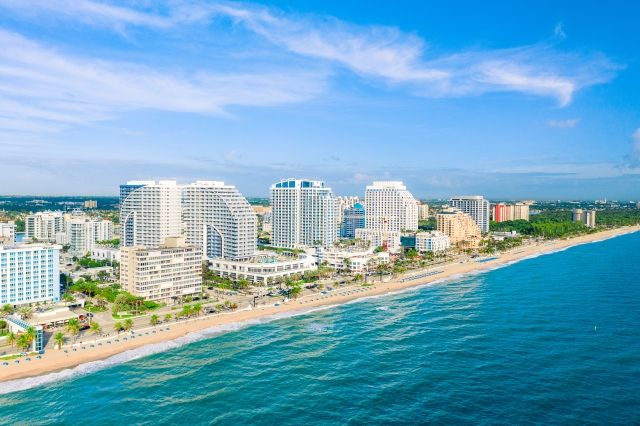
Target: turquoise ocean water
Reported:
[(514, 345)]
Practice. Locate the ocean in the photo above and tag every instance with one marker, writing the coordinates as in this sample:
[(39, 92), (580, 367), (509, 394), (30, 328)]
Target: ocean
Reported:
[(552, 339)]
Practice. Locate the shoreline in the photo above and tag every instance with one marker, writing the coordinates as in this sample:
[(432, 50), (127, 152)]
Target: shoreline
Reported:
[(58, 363)]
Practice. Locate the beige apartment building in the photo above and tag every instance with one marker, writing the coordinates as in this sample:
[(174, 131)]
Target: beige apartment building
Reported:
[(459, 227), (163, 274)]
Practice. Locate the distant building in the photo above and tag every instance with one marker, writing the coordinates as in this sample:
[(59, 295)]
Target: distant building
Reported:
[(82, 233), (304, 213), (459, 227), (91, 204), (353, 218), (29, 273), (434, 241), (43, 226), (503, 212), (7, 232), (584, 216), (345, 202), (162, 274), (149, 212), (475, 206), (423, 211), (219, 220)]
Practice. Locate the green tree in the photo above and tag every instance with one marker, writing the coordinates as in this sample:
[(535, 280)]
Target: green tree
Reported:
[(167, 317), (96, 330), (23, 343), (31, 334), (128, 324), (73, 327), (67, 298), (117, 327), (153, 320), (25, 312), (7, 309), (11, 338), (295, 291), (197, 309), (59, 339)]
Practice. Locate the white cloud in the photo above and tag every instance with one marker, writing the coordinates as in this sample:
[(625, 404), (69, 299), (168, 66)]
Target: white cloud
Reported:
[(52, 87), (557, 32), (46, 87), (563, 124)]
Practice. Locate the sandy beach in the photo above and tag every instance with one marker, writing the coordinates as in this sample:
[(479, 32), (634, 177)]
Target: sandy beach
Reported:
[(58, 360)]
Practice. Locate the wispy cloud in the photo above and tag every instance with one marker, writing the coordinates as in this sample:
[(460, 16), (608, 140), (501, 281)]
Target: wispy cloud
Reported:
[(42, 88), (378, 52), (563, 124)]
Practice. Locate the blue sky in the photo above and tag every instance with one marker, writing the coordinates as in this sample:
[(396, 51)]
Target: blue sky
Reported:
[(505, 100)]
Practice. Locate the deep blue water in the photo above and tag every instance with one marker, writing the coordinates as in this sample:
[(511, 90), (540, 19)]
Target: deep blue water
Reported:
[(514, 345)]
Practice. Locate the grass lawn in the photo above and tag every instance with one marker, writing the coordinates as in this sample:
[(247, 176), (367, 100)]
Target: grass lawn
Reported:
[(125, 316)]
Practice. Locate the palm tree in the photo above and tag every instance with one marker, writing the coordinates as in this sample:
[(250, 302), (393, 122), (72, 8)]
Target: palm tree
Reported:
[(117, 326), (187, 310), (7, 309), (31, 334), (100, 301), (67, 298), (96, 330), (23, 343), (59, 339), (154, 320), (25, 312), (11, 338), (128, 323), (167, 317), (197, 309), (218, 308), (73, 327)]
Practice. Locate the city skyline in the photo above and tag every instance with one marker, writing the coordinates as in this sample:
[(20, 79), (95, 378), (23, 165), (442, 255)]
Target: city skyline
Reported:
[(505, 102)]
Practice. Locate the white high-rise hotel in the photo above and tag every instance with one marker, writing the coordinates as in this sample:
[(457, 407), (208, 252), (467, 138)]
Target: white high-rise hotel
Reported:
[(149, 212), (304, 213), (219, 220), (390, 207), (475, 206), (29, 273)]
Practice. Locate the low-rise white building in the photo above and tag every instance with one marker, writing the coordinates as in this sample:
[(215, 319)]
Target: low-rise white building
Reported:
[(82, 233), (105, 252), (263, 268), (358, 260), (380, 238), (432, 241), (29, 273)]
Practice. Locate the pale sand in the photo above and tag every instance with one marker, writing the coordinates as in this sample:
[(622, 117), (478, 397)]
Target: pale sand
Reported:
[(56, 360)]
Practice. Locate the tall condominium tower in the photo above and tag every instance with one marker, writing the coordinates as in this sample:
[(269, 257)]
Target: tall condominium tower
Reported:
[(475, 206), (149, 212), (219, 220), (305, 213), (390, 207), (43, 225)]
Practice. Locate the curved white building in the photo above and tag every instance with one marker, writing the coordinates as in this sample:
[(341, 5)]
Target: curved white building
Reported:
[(149, 212), (219, 220)]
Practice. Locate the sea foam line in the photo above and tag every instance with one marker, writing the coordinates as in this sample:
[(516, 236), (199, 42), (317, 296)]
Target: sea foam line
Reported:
[(195, 336)]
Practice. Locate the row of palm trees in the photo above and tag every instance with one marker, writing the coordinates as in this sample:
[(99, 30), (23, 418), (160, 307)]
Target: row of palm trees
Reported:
[(22, 340)]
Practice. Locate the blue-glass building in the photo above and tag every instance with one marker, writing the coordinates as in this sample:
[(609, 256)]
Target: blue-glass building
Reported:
[(354, 218)]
